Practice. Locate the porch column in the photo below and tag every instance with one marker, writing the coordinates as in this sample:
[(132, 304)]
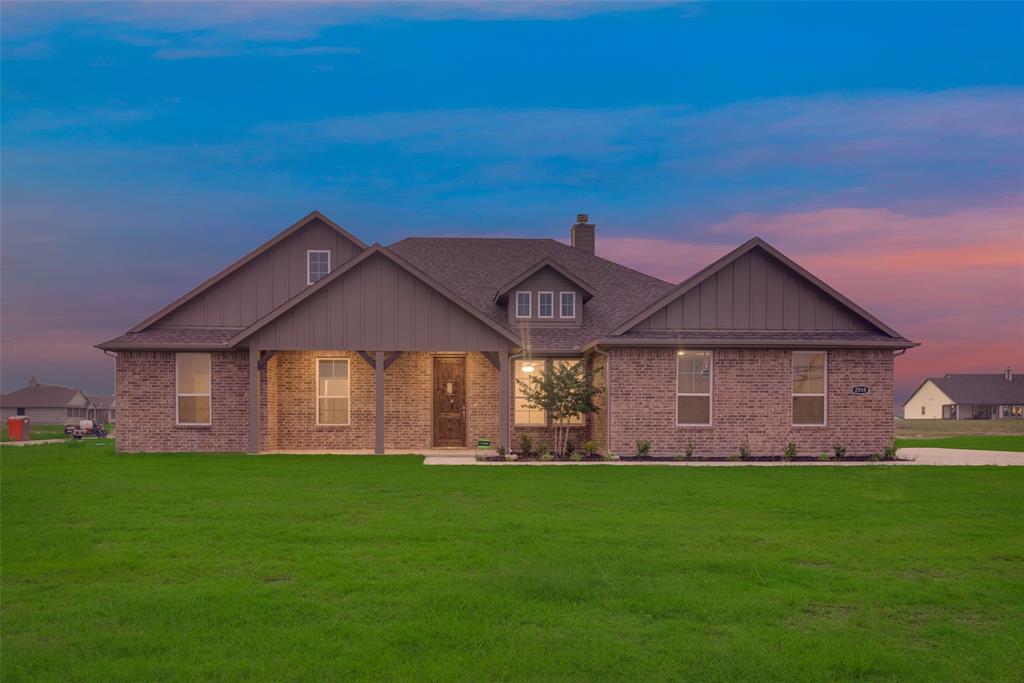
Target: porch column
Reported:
[(379, 368), (254, 400), (503, 396)]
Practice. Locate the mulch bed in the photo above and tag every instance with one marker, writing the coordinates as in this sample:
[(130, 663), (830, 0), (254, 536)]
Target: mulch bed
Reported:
[(533, 457)]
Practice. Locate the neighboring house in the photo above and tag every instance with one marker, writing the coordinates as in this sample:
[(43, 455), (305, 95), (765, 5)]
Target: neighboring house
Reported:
[(317, 342), (104, 408), (46, 403), (967, 397)]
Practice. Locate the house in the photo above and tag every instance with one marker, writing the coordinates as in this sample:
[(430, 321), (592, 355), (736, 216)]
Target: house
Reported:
[(316, 341), (967, 397), (104, 408), (46, 403)]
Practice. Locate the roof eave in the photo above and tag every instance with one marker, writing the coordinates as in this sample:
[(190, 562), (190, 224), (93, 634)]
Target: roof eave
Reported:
[(755, 343)]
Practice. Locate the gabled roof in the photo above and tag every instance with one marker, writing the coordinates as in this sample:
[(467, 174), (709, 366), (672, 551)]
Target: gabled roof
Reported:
[(281, 236), (979, 388), (546, 262), (348, 266), (472, 266), (102, 401), (756, 242), (40, 396), (173, 339)]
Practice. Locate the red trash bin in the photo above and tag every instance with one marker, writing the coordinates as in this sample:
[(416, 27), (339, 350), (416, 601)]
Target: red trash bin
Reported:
[(17, 428)]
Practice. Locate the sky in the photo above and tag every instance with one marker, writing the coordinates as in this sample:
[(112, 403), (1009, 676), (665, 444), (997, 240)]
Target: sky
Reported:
[(147, 145)]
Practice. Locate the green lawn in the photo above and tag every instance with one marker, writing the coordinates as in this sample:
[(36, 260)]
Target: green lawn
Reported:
[(36, 431), (979, 442), (281, 568)]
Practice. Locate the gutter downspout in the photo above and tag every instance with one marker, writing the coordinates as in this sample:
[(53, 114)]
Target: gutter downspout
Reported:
[(608, 395)]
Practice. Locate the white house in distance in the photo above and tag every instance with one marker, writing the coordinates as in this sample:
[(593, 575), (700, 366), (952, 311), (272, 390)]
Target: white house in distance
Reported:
[(967, 397), (46, 403)]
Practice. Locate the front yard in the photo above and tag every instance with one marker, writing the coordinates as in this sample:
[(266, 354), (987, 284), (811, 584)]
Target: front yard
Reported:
[(326, 567)]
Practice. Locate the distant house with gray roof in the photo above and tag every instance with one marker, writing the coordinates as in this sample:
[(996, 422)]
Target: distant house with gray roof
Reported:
[(967, 397), (46, 403)]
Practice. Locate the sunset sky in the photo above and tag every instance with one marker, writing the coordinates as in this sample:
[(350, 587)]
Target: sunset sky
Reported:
[(146, 146)]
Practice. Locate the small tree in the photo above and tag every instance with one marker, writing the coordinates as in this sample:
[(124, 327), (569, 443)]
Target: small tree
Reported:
[(563, 392)]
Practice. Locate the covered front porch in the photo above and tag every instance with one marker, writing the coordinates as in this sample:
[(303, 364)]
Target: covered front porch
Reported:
[(357, 401)]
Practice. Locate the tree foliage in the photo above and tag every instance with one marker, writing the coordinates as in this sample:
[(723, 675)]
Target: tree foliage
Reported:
[(561, 390)]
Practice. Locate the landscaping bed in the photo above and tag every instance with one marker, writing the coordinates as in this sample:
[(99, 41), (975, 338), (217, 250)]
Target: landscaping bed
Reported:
[(534, 457)]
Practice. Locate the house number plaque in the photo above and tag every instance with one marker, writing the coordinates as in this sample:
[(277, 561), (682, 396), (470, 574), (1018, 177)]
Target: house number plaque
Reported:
[(861, 390)]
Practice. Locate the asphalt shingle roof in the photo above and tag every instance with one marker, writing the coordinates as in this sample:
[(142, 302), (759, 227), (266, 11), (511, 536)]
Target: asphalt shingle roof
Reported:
[(40, 396), (981, 389)]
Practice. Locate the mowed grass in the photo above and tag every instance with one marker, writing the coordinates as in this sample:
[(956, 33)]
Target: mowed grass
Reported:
[(37, 432), (933, 429), (276, 568), (977, 442)]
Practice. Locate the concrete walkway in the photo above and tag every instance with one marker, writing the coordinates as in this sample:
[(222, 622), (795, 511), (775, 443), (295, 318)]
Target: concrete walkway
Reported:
[(921, 456), (39, 442)]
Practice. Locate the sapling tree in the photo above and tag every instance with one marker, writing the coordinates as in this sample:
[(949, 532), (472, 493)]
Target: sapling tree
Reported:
[(562, 390)]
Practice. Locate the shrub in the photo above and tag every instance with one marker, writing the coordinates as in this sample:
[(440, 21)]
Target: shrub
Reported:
[(609, 456), (546, 457), (790, 451), (589, 447), (691, 448), (824, 457), (525, 444), (679, 456), (890, 451), (839, 451), (544, 450), (570, 447), (875, 457), (511, 457), (734, 457), (744, 450), (576, 456), (643, 447), (502, 451)]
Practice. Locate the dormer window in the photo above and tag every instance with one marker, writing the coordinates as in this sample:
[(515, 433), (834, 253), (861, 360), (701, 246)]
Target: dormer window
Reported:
[(318, 265), (523, 305), (545, 304), (567, 305)]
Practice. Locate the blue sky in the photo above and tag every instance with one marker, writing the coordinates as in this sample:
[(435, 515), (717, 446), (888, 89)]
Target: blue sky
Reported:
[(145, 146)]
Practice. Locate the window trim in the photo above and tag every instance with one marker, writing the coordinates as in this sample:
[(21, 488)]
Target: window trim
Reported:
[(529, 304), (178, 394), (561, 306), (309, 272), (317, 397), (710, 394), (539, 314), (823, 394), (542, 362)]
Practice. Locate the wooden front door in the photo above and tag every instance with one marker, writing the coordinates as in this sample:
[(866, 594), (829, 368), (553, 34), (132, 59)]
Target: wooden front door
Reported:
[(449, 401)]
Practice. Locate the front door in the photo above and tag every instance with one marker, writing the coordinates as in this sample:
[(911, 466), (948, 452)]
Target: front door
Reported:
[(449, 401)]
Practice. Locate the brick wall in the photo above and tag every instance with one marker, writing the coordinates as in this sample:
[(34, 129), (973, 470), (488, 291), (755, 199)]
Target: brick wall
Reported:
[(146, 404), (483, 395), (408, 414), (751, 398), (545, 434)]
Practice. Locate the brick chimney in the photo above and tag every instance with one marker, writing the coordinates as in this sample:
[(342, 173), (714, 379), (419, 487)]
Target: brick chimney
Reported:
[(582, 234), (1008, 375)]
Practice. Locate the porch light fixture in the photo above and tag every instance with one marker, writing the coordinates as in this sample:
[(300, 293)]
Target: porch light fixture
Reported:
[(527, 366)]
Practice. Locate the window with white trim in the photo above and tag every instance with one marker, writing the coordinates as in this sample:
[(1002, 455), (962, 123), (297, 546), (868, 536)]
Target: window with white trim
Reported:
[(567, 305), (810, 375), (523, 304), (193, 388), (318, 265), (693, 387), (575, 421), (524, 413), (332, 391), (545, 304)]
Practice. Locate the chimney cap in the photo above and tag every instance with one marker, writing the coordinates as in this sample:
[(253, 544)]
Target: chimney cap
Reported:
[(582, 218)]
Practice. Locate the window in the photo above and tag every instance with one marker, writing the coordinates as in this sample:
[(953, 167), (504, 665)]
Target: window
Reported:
[(693, 387), (318, 264), (523, 305), (809, 381), (567, 305), (545, 304), (19, 411), (193, 388), (525, 414), (576, 421), (332, 391), (922, 410)]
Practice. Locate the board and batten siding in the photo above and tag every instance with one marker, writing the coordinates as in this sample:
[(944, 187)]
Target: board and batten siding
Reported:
[(546, 280), (755, 292), (377, 305), (264, 283)]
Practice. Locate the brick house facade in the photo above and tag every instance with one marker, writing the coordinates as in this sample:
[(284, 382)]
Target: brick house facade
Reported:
[(413, 346)]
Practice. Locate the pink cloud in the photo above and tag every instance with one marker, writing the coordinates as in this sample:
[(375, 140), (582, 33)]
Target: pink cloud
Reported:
[(953, 281)]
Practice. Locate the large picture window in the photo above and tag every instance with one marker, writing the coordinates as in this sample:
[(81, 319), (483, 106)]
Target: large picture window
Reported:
[(193, 388), (575, 421), (693, 387), (524, 414), (810, 374), (332, 391)]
